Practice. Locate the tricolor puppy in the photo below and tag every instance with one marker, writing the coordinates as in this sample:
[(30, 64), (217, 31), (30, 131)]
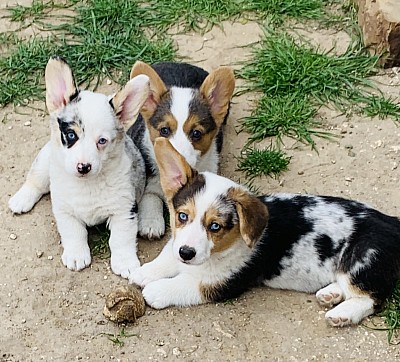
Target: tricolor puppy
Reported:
[(226, 240), (189, 107), (92, 169)]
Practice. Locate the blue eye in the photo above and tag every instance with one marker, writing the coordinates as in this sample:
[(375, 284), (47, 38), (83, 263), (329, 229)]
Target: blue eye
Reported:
[(102, 141), (165, 131), (214, 227), (182, 217), (196, 135), (71, 135)]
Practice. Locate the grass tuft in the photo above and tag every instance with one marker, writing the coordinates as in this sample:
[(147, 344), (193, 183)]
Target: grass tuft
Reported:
[(289, 115), (391, 313), (257, 163)]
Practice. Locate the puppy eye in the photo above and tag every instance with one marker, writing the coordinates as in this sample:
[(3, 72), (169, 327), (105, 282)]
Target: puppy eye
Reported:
[(71, 135), (214, 227), (165, 131), (196, 135), (102, 141), (182, 217)]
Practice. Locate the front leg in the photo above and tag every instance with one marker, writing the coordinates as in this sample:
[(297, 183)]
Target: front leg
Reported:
[(151, 218), (74, 236), (165, 265), (122, 243), (36, 185), (181, 291)]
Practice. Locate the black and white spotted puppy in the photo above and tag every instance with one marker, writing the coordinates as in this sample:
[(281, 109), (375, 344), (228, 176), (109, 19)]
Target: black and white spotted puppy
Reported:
[(188, 106), (226, 240), (91, 168)]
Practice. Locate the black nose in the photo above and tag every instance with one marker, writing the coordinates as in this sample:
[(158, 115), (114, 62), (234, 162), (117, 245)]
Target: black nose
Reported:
[(187, 253), (84, 168)]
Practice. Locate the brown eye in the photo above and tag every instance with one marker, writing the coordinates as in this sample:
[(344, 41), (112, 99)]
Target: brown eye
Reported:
[(165, 132), (196, 135)]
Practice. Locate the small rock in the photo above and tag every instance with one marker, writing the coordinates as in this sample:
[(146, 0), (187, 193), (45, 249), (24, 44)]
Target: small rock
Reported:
[(10, 127), (50, 257), (27, 123), (108, 81), (176, 351), (39, 253), (351, 154), (13, 236), (300, 173), (348, 147)]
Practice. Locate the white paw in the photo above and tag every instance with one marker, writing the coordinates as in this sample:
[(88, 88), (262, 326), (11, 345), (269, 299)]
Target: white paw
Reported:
[(144, 275), (152, 227), (24, 199), (159, 294), (330, 295), (76, 258), (124, 264), (351, 311)]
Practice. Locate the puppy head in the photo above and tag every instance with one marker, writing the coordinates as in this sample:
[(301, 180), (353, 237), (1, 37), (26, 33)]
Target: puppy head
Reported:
[(210, 215), (88, 127), (189, 117)]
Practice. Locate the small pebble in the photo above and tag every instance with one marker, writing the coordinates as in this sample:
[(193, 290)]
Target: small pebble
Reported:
[(39, 254), (50, 257), (108, 81), (27, 123), (13, 236), (351, 154)]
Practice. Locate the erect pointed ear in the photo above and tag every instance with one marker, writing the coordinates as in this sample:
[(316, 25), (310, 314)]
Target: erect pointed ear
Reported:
[(175, 172), (253, 215), (157, 88), (60, 84), (217, 89), (128, 101)]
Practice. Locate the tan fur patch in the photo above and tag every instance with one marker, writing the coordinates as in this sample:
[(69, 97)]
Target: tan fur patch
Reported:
[(253, 215), (217, 89), (225, 237), (209, 291), (157, 87), (168, 121), (204, 144)]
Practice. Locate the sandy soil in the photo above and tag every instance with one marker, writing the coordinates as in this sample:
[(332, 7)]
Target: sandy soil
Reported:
[(48, 312)]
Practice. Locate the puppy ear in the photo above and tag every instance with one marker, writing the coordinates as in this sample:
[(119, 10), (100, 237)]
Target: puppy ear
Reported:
[(60, 84), (157, 88), (253, 215), (217, 89), (128, 101), (175, 172)]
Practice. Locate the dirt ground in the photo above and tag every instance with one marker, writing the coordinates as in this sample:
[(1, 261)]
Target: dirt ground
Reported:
[(50, 313)]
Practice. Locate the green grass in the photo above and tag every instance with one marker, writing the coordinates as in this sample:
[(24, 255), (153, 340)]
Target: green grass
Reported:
[(258, 163), (391, 313), (100, 41), (98, 241), (289, 115)]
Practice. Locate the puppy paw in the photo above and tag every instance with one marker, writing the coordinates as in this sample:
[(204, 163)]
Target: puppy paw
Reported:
[(76, 258), (330, 295), (24, 199), (144, 275), (124, 264), (159, 294), (152, 227), (351, 311)]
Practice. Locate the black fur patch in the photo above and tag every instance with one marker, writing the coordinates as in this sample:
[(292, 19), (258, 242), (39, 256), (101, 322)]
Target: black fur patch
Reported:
[(373, 234), (180, 74), (134, 210), (66, 132), (189, 190)]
